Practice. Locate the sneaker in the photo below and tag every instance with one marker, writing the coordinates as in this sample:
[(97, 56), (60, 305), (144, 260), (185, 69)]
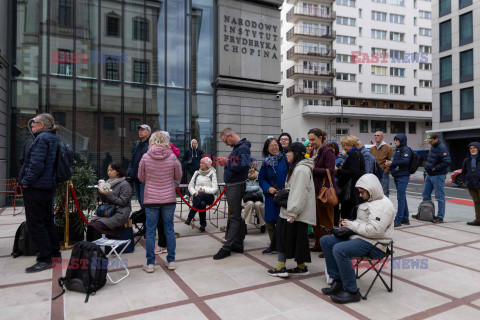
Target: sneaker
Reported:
[(269, 251), (188, 222), (437, 220), (177, 235), (298, 272), (202, 228), (148, 268), (221, 254), (397, 224), (282, 273), (159, 250), (406, 222), (170, 265)]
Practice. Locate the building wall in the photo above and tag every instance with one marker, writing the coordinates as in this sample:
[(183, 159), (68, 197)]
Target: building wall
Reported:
[(3, 93)]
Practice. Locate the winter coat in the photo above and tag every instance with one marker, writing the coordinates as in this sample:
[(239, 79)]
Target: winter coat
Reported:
[(368, 158), (301, 199), (401, 157), (120, 196), (207, 182), (196, 156), (375, 216), (381, 154), (38, 166), (267, 178), (137, 153), (174, 150), (353, 168), (254, 187), (438, 160), (325, 160), (238, 162), (160, 171), (471, 178)]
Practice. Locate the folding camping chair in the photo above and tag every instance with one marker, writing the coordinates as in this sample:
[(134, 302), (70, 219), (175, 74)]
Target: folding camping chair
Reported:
[(115, 244)]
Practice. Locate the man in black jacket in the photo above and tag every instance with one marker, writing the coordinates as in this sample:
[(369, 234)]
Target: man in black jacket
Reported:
[(138, 151), (235, 175), (437, 165)]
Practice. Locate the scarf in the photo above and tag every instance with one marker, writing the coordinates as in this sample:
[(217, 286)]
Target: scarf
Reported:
[(113, 182), (351, 150), (316, 152), (272, 161), (206, 172), (473, 163)]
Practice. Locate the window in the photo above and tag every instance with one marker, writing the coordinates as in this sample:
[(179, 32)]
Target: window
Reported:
[(379, 52), (414, 91), (466, 28), (342, 132), (414, 38), (444, 7), (348, 3), (379, 16), (425, 49), (397, 127), (466, 65), (374, 104), (397, 72), (348, 102), (425, 83), (412, 127), (64, 65), (65, 13), (346, 21), (360, 87), (60, 118), (446, 71), (134, 123), (325, 103), (415, 74), (378, 125), (428, 124), (379, 34), (113, 26), (380, 1), (425, 66), (360, 68), (363, 126), (397, 18), (345, 40), (379, 88), (112, 68), (464, 3), (425, 14), (445, 35), (343, 120), (140, 29), (346, 77), (346, 58), (446, 106), (414, 21), (379, 71), (360, 31), (397, 55), (140, 71), (397, 36), (397, 89), (108, 123), (397, 2), (466, 103), (425, 32)]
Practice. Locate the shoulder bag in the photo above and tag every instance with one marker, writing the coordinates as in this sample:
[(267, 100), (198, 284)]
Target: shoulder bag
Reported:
[(105, 210), (328, 196)]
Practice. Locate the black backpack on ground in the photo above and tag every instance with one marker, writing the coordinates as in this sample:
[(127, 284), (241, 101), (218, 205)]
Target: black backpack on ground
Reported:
[(63, 162), (414, 162), (23, 244), (87, 270), (426, 211)]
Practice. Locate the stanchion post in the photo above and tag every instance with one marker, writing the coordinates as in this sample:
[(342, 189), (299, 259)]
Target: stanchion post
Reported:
[(67, 219)]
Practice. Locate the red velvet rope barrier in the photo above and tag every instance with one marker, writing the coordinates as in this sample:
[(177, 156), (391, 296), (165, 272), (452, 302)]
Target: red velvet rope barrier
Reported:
[(80, 213), (200, 210)]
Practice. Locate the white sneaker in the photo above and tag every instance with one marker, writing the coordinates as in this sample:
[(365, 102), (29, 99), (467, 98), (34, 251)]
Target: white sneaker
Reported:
[(149, 268), (170, 265)]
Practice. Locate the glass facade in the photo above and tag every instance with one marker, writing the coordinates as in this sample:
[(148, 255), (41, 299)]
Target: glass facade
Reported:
[(102, 67)]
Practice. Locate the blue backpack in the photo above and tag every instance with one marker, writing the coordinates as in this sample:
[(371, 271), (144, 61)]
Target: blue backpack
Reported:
[(63, 162)]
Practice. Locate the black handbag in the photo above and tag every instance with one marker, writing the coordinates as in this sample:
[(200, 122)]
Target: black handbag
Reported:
[(105, 210), (342, 232), (346, 192), (281, 198), (252, 196)]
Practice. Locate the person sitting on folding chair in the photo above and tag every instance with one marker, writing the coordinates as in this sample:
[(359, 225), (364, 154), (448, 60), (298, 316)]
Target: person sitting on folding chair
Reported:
[(202, 188), (374, 223), (253, 199)]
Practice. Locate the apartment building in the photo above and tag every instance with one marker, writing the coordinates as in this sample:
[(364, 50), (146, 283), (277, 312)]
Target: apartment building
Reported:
[(456, 74), (382, 72)]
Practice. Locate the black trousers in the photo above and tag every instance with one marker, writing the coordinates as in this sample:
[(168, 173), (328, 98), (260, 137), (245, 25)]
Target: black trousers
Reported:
[(39, 213), (235, 224), (201, 201)]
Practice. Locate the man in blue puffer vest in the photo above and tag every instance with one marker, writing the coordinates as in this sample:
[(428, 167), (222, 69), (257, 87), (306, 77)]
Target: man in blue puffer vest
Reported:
[(37, 178), (436, 166)]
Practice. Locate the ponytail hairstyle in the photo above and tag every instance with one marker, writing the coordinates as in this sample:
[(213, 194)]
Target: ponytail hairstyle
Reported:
[(319, 133), (299, 152), (48, 120)]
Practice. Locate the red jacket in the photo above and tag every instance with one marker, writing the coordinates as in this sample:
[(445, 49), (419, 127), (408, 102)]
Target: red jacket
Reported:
[(175, 150)]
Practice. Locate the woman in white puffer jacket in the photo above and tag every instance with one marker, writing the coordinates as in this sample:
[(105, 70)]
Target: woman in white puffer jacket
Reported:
[(202, 188)]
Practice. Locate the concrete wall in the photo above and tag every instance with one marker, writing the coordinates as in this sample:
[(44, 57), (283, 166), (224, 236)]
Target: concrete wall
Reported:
[(3, 93)]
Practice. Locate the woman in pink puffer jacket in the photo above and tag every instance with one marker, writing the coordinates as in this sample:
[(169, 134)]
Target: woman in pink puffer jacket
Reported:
[(160, 170)]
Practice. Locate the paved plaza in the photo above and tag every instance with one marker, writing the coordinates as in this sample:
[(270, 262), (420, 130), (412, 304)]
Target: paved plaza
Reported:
[(446, 285)]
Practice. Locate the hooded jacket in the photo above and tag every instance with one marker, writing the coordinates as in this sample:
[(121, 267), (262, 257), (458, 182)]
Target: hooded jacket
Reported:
[(195, 154), (159, 169), (238, 162), (137, 153), (438, 160), (401, 157), (375, 217), (205, 180), (470, 177), (301, 200)]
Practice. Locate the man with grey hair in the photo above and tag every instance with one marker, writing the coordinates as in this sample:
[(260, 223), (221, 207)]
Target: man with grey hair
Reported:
[(235, 176), (382, 152)]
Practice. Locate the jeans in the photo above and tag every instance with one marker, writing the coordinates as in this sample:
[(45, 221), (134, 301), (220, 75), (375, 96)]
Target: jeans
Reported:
[(437, 183), (236, 231), (386, 184), (39, 214), (139, 189), (153, 214), (200, 202), (338, 258), (401, 184)]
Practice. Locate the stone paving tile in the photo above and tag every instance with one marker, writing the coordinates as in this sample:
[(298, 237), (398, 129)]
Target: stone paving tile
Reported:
[(186, 312), (465, 256), (451, 235), (463, 312), (26, 302)]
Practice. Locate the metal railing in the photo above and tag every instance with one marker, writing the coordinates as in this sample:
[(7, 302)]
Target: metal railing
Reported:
[(319, 90), (311, 12), (315, 71), (311, 51), (311, 32)]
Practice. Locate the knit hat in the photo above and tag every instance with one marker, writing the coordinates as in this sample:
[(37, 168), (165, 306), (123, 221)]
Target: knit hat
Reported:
[(306, 143)]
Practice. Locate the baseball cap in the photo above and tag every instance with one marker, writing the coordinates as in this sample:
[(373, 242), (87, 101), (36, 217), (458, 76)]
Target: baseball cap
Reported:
[(431, 136), (144, 126)]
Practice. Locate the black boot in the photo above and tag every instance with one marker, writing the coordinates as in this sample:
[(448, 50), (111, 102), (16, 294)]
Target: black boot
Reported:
[(245, 228), (336, 287), (346, 297)]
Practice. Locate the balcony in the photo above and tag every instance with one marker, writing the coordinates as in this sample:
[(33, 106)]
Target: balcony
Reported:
[(302, 52), (298, 13), (299, 90), (306, 72), (313, 1), (366, 113), (297, 33)]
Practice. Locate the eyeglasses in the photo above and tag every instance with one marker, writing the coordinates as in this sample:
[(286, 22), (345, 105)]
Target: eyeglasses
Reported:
[(284, 139)]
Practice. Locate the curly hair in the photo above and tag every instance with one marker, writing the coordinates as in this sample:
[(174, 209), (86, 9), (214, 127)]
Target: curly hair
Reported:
[(159, 138)]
